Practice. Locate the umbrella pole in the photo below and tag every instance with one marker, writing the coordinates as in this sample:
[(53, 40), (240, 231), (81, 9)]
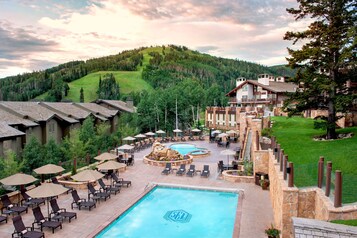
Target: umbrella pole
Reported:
[(48, 208)]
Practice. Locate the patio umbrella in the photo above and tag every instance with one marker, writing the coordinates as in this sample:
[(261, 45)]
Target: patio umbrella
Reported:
[(111, 165), (216, 132), (126, 147), (18, 179), (129, 138), (177, 130), (196, 130), (47, 190), (140, 136), (223, 135), (232, 132), (48, 169), (228, 153), (160, 132), (88, 175), (150, 133), (106, 156)]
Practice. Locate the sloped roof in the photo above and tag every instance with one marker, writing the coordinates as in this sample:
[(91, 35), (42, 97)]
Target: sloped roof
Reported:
[(34, 110), (7, 131), (12, 119), (97, 109), (68, 109), (120, 105), (275, 87)]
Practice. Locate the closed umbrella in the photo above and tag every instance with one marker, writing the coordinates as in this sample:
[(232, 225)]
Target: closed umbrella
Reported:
[(47, 190), (106, 156)]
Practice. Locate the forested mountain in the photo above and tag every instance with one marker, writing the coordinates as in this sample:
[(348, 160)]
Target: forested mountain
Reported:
[(166, 68), (177, 75)]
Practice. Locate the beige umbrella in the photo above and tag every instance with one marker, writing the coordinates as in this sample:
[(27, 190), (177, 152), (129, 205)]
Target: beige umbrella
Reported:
[(47, 190), (196, 130), (129, 138), (126, 147), (18, 179), (160, 132), (223, 135), (87, 175), (111, 165), (150, 133), (48, 169), (106, 156), (177, 130), (140, 136), (228, 153), (232, 132)]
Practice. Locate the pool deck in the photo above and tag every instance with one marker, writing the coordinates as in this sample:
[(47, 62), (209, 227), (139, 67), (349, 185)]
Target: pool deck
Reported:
[(257, 212)]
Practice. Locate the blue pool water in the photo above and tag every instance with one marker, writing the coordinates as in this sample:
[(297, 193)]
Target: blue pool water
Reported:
[(185, 149), (177, 212)]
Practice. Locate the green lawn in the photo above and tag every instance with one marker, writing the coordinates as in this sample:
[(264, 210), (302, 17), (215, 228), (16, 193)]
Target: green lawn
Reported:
[(346, 222), (295, 136)]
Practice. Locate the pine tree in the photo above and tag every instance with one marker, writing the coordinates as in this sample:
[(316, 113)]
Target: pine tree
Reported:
[(327, 58), (81, 96)]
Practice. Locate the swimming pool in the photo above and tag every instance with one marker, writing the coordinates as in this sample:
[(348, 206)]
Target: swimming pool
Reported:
[(185, 149), (177, 212)]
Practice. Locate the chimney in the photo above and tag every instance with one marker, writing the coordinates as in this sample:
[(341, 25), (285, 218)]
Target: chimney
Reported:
[(265, 78), (129, 102), (240, 80)]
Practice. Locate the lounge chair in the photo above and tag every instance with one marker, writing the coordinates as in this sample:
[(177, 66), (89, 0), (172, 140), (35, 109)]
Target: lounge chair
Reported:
[(22, 231), (61, 213), (120, 182), (130, 160), (10, 207), (167, 169), (55, 181), (42, 221), (29, 201), (108, 188), (191, 171), (3, 219), (181, 171), (81, 202), (96, 194), (205, 172)]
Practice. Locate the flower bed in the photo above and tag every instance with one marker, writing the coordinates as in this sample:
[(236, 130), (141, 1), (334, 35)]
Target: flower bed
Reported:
[(162, 163)]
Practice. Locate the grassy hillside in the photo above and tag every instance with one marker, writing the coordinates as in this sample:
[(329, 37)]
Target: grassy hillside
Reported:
[(296, 138), (128, 81)]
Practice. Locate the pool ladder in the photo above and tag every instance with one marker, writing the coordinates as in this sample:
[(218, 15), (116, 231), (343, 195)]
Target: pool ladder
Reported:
[(149, 186)]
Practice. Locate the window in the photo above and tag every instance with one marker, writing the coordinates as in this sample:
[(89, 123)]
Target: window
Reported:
[(245, 88)]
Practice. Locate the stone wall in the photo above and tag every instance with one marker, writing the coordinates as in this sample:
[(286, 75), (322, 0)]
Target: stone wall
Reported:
[(308, 228)]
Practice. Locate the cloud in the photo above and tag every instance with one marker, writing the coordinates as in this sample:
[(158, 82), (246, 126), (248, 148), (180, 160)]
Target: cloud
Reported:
[(18, 43)]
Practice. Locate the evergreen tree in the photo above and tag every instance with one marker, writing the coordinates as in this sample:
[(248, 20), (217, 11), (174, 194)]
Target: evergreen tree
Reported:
[(327, 58), (81, 96), (9, 165), (32, 155)]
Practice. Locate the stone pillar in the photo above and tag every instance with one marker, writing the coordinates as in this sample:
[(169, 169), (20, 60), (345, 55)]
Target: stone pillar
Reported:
[(214, 117)]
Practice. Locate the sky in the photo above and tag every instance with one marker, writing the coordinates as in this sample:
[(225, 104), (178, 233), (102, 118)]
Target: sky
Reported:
[(38, 34)]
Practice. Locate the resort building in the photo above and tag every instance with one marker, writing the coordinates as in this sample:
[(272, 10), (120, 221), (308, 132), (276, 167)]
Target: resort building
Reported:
[(267, 91), (19, 121), (262, 97)]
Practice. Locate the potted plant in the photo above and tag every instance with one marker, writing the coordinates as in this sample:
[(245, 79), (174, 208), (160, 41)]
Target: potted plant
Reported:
[(272, 232), (264, 183)]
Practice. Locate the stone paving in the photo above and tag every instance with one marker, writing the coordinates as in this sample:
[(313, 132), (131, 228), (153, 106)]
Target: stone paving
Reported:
[(256, 215)]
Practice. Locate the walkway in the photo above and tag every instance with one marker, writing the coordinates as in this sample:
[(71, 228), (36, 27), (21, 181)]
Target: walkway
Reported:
[(256, 212)]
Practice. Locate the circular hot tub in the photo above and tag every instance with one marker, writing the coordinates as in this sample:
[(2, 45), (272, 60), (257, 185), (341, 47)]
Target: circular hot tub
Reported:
[(189, 149)]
